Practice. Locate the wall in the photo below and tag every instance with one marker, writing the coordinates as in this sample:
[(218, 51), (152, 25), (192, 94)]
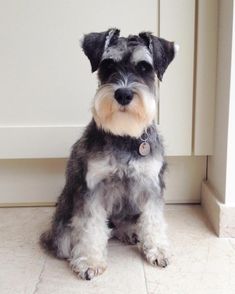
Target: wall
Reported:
[(217, 163), (230, 187), (218, 193)]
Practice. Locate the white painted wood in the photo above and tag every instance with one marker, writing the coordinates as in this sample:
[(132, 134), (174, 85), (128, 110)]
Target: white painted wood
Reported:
[(40, 181), (217, 163), (205, 87), (211, 206), (45, 74), (38, 142), (230, 187), (27, 181), (176, 91), (184, 177), (221, 216), (45, 77), (218, 193), (46, 89)]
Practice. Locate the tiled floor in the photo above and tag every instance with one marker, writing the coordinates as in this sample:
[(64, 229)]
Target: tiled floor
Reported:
[(201, 263)]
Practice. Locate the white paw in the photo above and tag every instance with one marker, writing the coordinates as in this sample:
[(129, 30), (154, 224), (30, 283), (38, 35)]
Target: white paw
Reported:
[(87, 270), (157, 256)]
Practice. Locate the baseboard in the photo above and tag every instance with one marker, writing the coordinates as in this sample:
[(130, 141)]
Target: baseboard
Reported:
[(28, 204), (221, 216)]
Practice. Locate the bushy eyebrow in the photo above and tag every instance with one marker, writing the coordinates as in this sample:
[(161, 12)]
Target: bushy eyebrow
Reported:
[(141, 54)]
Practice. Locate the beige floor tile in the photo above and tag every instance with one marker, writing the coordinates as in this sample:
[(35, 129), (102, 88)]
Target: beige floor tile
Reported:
[(123, 275), (232, 242), (187, 283), (201, 262), (19, 270), (21, 261), (22, 226)]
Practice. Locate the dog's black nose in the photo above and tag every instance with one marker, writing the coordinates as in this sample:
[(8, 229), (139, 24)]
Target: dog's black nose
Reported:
[(123, 96)]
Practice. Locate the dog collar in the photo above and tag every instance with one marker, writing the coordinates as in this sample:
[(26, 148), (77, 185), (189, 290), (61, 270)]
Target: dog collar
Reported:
[(144, 147)]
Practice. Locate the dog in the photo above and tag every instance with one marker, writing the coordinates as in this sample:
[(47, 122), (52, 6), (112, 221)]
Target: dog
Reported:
[(115, 173)]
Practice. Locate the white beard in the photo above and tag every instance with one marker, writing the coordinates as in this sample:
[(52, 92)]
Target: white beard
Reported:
[(130, 120)]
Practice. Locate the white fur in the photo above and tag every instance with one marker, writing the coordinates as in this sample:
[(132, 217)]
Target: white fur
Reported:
[(89, 236), (98, 170), (176, 48), (151, 229), (126, 122), (65, 244), (146, 170), (108, 38), (141, 53)]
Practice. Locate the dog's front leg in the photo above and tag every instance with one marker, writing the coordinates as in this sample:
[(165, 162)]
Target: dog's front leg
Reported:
[(151, 228), (90, 237)]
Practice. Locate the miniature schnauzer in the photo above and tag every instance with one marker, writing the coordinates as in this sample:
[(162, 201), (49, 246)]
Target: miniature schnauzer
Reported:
[(115, 174)]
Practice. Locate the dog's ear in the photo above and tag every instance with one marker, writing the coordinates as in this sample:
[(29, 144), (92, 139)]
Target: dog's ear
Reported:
[(94, 44), (163, 52)]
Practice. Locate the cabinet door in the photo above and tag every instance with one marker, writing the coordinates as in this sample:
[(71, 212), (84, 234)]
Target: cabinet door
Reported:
[(177, 23), (47, 88), (46, 81)]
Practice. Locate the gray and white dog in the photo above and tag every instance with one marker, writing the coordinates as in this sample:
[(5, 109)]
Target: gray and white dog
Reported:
[(114, 178)]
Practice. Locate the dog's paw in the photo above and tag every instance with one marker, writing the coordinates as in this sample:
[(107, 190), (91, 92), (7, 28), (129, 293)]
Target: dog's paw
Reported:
[(91, 272), (157, 256), (87, 270), (128, 239)]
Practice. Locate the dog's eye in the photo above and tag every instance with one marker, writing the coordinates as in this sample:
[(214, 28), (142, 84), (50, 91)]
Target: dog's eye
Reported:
[(144, 67), (108, 65)]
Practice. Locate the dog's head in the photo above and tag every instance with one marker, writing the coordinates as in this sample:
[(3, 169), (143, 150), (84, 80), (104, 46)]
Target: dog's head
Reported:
[(125, 102)]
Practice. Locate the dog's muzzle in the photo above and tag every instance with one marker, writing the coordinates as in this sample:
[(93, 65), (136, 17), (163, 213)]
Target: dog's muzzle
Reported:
[(123, 96)]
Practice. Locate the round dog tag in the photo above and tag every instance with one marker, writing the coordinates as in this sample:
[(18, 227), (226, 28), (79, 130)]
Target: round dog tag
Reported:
[(144, 148)]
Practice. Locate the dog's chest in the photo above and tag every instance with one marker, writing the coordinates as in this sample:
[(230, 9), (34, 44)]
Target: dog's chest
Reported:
[(141, 171)]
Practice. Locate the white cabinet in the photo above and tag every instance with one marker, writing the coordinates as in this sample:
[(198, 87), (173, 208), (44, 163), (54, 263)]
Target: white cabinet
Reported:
[(46, 87), (46, 81)]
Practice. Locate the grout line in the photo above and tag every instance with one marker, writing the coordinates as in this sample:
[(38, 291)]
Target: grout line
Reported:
[(231, 244), (145, 278), (40, 276)]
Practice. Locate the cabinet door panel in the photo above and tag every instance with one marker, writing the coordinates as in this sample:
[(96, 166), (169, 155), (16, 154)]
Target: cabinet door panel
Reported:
[(46, 79), (176, 90)]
